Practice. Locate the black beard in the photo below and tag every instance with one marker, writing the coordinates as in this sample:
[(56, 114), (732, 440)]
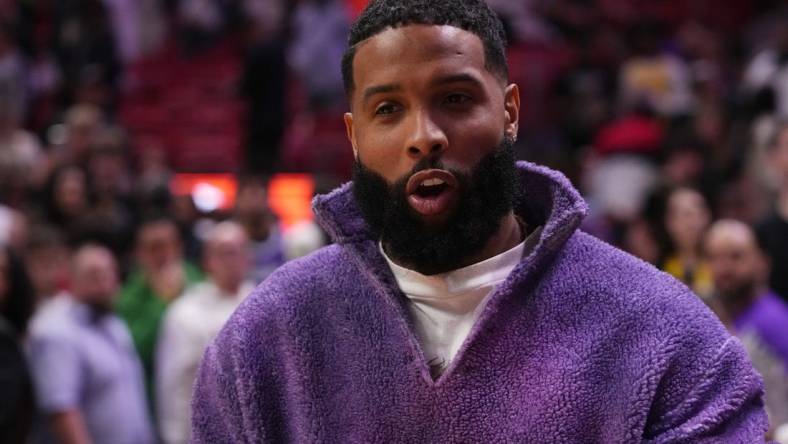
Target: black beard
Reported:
[(486, 195), (742, 292)]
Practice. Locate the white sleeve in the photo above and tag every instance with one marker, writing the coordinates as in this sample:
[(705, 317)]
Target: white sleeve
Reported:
[(177, 356)]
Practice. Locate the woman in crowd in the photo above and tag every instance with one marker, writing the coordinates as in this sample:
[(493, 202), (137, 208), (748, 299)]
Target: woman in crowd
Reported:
[(683, 216)]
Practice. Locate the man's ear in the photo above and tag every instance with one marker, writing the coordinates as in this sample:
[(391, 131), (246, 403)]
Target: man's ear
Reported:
[(511, 104), (350, 133)]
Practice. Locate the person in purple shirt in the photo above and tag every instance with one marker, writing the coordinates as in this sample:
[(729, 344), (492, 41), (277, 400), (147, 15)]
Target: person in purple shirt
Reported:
[(752, 311), (459, 301), (86, 373)]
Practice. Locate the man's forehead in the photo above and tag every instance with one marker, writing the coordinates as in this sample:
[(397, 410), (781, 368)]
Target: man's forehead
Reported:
[(417, 44)]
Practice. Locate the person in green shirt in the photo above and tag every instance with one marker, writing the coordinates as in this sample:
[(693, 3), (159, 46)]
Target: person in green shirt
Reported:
[(160, 276)]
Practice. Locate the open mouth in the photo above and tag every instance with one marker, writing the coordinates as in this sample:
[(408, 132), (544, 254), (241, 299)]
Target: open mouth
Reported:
[(431, 188), (432, 192)]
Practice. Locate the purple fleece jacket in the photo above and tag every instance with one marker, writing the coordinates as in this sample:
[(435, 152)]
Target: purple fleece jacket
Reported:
[(581, 344)]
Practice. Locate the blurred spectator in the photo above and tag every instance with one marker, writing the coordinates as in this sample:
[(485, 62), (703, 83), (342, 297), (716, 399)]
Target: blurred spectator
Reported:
[(16, 306), (161, 275), (766, 77), (188, 218), (153, 173), (654, 77), (124, 16), (47, 260), (264, 83), (13, 228), (267, 18), (86, 51), (773, 230), (200, 22), (584, 92), (621, 170), (66, 201), (13, 74), (685, 217), (191, 323), (639, 240), (83, 125), (21, 157), (110, 217), (618, 185), (750, 309), (302, 238), (88, 378), (266, 246), (520, 21), (46, 257), (683, 163), (321, 28), (153, 26)]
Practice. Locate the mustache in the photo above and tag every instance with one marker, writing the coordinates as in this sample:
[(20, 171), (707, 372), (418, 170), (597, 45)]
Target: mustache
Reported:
[(427, 163)]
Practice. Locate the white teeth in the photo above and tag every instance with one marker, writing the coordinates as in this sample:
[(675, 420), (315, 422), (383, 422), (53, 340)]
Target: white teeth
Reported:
[(432, 182)]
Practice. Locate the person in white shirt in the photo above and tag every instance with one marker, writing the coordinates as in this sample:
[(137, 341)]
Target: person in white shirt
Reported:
[(191, 323)]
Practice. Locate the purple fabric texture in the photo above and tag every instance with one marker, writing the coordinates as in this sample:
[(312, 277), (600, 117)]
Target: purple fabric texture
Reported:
[(581, 344)]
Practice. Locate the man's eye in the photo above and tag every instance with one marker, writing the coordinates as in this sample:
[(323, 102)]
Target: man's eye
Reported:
[(386, 108), (456, 99)]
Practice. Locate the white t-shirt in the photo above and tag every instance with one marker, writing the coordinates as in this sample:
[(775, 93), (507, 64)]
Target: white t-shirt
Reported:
[(445, 306)]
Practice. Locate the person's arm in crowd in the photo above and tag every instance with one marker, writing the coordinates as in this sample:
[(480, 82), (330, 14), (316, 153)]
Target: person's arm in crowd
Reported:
[(69, 427)]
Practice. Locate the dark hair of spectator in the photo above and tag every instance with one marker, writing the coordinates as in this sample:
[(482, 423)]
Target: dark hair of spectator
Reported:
[(45, 236), (17, 306), (155, 218), (474, 16), (53, 212)]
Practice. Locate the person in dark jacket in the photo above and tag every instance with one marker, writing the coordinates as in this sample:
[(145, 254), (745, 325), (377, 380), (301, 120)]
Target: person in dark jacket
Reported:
[(17, 299)]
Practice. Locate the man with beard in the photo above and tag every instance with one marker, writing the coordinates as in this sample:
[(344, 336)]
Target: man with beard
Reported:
[(754, 312), (460, 303), (86, 373)]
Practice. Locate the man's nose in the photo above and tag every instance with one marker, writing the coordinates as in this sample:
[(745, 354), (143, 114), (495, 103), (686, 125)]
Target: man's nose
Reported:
[(426, 136)]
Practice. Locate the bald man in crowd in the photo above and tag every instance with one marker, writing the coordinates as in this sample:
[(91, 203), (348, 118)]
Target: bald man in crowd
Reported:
[(87, 375), (751, 310), (193, 320)]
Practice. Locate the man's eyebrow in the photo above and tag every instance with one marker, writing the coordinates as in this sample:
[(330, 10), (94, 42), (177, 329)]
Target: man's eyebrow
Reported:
[(457, 78), (380, 89), (393, 87)]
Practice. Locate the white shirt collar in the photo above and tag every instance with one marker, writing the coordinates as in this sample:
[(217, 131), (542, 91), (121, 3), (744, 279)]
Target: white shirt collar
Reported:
[(462, 280)]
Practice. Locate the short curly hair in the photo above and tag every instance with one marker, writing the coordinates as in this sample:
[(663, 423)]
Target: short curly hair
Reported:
[(474, 16)]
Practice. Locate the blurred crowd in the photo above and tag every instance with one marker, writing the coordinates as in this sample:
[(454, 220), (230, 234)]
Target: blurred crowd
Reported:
[(671, 117)]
